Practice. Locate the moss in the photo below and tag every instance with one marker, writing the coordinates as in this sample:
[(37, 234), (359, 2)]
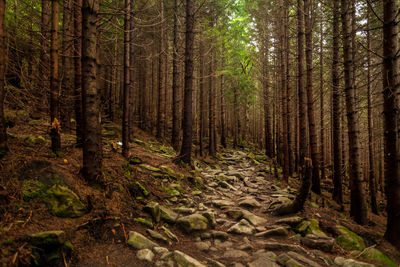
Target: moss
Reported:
[(32, 190), (314, 205), (35, 140), (63, 202), (139, 142), (150, 168), (9, 241), (68, 246), (48, 238), (309, 227), (141, 189), (377, 256), (144, 221), (349, 240)]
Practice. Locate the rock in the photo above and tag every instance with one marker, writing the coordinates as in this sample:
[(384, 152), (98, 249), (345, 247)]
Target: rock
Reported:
[(293, 263), (139, 241), (348, 239), (168, 215), (280, 231), (278, 202), (144, 221), (153, 208), (145, 254), (219, 235), (318, 242), (223, 244), (243, 227), (254, 219), (283, 247), (48, 238), (184, 210), (292, 221), (375, 255), (203, 246), (194, 222), (235, 214), (139, 188), (157, 236), (214, 263), (245, 247), (149, 168), (235, 254), (302, 259), (170, 234), (222, 204), (238, 264), (264, 259), (309, 227), (340, 261), (178, 259), (249, 202), (283, 258), (63, 202), (160, 250), (210, 217)]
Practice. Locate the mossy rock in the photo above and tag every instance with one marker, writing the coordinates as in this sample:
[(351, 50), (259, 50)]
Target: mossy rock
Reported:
[(149, 168), (309, 227), (140, 188), (64, 203), (32, 190), (35, 140), (48, 238), (348, 239), (375, 255), (144, 221), (135, 160), (139, 241), (171, 173), (139, 142)]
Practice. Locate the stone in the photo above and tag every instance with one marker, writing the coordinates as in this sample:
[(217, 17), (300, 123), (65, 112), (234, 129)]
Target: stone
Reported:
[(63, 202), (184, 210), (157, 236), (223, 244), (179, 259), (235, 214), (340, 261), (160, 250), (153, 208), (249, 202), (254, 219), (280, 231), (149, 168), (170, 234), (145, 254), (293, 263), (348, 239), (283, 247), (222, 204), (214, 263), (375, 255), (48, 238), (192, 223), (302, 259), (168, 215), (264, 259), (292, 221), (144, 221), (318, 242), (139, 241), (210, 217), (219, 235), (243, 227), (245, 247), (235, 254), (203, 246)]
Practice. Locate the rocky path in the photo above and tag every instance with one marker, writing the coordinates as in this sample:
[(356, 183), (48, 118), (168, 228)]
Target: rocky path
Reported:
[(230, 224)]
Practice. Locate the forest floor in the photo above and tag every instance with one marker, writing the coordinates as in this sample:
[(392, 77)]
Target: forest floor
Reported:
[(150, 212)]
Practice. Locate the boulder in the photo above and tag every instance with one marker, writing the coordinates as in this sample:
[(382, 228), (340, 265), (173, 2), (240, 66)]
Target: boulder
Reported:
[(168, 215), (48, 238), (145, 254), (318, 242), (192, 223), (264, 259), (153, 208), (348, 239), (279, 231), (139, 241), (179, 259), (254, 219), (243, 227), (235, 254), (63, 202), (340, 261), (292, 221), (157, 236), (302, 259), (375, 255)]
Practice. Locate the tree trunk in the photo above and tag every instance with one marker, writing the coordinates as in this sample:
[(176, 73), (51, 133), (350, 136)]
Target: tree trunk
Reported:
[(358, 205), (267, 118), (202, 96), (371, 180), (186, 150), (321, 101), (336, 151), (78, 71), (316, 187), (44, 64), (126, 95), (222, 106), (211, 118), (161, 98), (54, 95), (391, 116), (132, 70), (175, 85), (92, 146), (3, 132)]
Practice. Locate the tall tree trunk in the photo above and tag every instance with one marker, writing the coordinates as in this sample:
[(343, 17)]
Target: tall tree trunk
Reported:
[(54, 95), (186, 150), (132, 70), (391, 116), (267, 119), (92, 146), (371, 180), (336, 151), (44, 63), (78, 71), (358, 205), (321, 101), (316, 187), (126, 96), (211, 118), (222, 106), (175, 85), (202, 96), (3, 132), (161, 98)]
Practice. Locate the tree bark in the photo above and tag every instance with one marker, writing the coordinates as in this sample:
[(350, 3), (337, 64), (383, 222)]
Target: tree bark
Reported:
[(175, 85), (55, 128), (187, 123), (126, 95), (92, 146), (161, 98), (391, 116), (222, 106), (321, 101), (78, 71), (3, 131), (358, 205)]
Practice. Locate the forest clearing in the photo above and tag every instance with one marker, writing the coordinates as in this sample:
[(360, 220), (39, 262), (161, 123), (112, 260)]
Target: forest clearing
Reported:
[(199, 133)]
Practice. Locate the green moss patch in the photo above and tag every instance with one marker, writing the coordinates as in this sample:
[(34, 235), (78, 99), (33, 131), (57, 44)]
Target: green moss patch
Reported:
[(349, 240)]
